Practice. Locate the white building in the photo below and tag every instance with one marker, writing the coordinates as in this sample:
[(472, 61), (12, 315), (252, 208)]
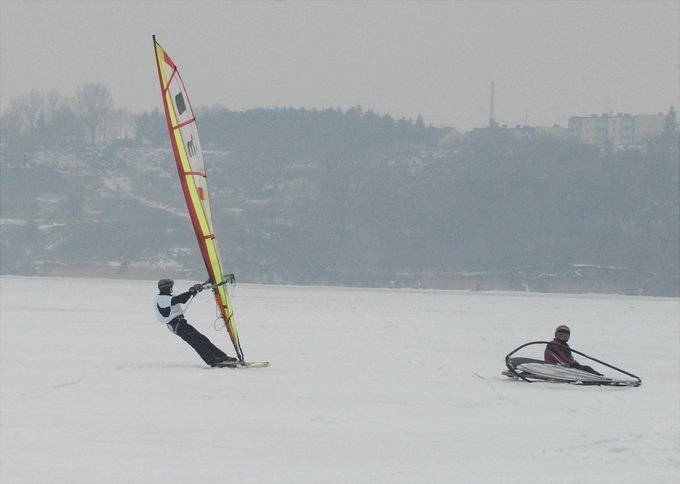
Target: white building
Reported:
[(620, 130)]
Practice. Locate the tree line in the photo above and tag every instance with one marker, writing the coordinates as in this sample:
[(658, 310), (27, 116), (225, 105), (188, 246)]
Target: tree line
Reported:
[(50, 119)]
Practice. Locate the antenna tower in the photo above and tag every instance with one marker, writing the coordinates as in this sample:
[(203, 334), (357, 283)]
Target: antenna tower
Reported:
[(492, 121)]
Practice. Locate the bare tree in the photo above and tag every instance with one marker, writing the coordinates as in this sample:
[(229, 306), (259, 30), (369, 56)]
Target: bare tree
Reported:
[(93, 104), (51, 102), (120, 125), (23, 113)]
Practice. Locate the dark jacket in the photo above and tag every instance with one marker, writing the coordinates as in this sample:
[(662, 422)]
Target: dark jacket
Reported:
[(180, 298)]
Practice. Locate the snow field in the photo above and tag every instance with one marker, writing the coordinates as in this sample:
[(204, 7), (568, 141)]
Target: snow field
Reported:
[(366, 386)]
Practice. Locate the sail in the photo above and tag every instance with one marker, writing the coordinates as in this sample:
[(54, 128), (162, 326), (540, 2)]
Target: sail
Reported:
[(189, 159)]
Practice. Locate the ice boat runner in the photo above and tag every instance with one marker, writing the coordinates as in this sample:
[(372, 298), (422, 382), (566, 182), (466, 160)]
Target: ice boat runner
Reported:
[(186, 147)]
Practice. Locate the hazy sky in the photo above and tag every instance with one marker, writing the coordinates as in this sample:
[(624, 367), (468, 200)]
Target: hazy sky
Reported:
[(549, 60)]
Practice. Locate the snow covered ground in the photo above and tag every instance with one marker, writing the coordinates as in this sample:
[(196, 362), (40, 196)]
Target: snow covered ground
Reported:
[(366, 386)]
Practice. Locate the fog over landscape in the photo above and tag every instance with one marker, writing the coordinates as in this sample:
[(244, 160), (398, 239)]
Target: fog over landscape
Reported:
[(349, 143), (549, 60)]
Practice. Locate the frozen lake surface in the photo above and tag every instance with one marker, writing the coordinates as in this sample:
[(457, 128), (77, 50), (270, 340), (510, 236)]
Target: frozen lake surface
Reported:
[(366, 386)]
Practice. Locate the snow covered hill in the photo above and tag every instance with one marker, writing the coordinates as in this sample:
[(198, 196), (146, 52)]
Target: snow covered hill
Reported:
[(366, 386), (408, 217)]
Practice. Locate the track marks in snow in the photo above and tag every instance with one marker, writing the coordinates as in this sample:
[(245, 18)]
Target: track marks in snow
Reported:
[(41, 392), (490, 384)]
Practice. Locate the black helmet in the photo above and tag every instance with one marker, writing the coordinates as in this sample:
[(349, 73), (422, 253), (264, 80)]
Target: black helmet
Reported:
[(165, 284)]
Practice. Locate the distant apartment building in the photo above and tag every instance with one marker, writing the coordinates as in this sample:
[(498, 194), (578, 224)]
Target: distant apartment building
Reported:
[(618, 130), (533, 131)]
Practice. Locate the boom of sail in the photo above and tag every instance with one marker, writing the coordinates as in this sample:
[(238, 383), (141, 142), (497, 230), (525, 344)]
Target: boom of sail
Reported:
[(189, 159)]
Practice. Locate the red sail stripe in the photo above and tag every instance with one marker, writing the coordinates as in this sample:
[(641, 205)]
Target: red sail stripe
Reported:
[(181, 125), (172, 76)]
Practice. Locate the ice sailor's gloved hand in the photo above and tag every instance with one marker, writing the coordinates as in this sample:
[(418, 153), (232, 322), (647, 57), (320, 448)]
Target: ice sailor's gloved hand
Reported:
[(195, 289), (590, 370)]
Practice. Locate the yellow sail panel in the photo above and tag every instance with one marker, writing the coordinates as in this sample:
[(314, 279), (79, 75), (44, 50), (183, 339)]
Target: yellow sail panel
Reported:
[(189, 160)]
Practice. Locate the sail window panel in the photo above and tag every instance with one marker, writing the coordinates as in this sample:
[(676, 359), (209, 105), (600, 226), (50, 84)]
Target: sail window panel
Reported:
[(179, 102)]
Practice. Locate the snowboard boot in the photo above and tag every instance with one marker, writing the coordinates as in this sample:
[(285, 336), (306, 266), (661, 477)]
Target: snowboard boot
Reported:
[(220, 360)]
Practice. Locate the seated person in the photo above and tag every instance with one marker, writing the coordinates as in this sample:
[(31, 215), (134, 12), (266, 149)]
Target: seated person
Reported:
[(559, 353)]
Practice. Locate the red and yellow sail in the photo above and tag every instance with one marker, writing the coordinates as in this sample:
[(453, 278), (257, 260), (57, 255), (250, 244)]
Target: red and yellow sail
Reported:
[(189, 158)]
